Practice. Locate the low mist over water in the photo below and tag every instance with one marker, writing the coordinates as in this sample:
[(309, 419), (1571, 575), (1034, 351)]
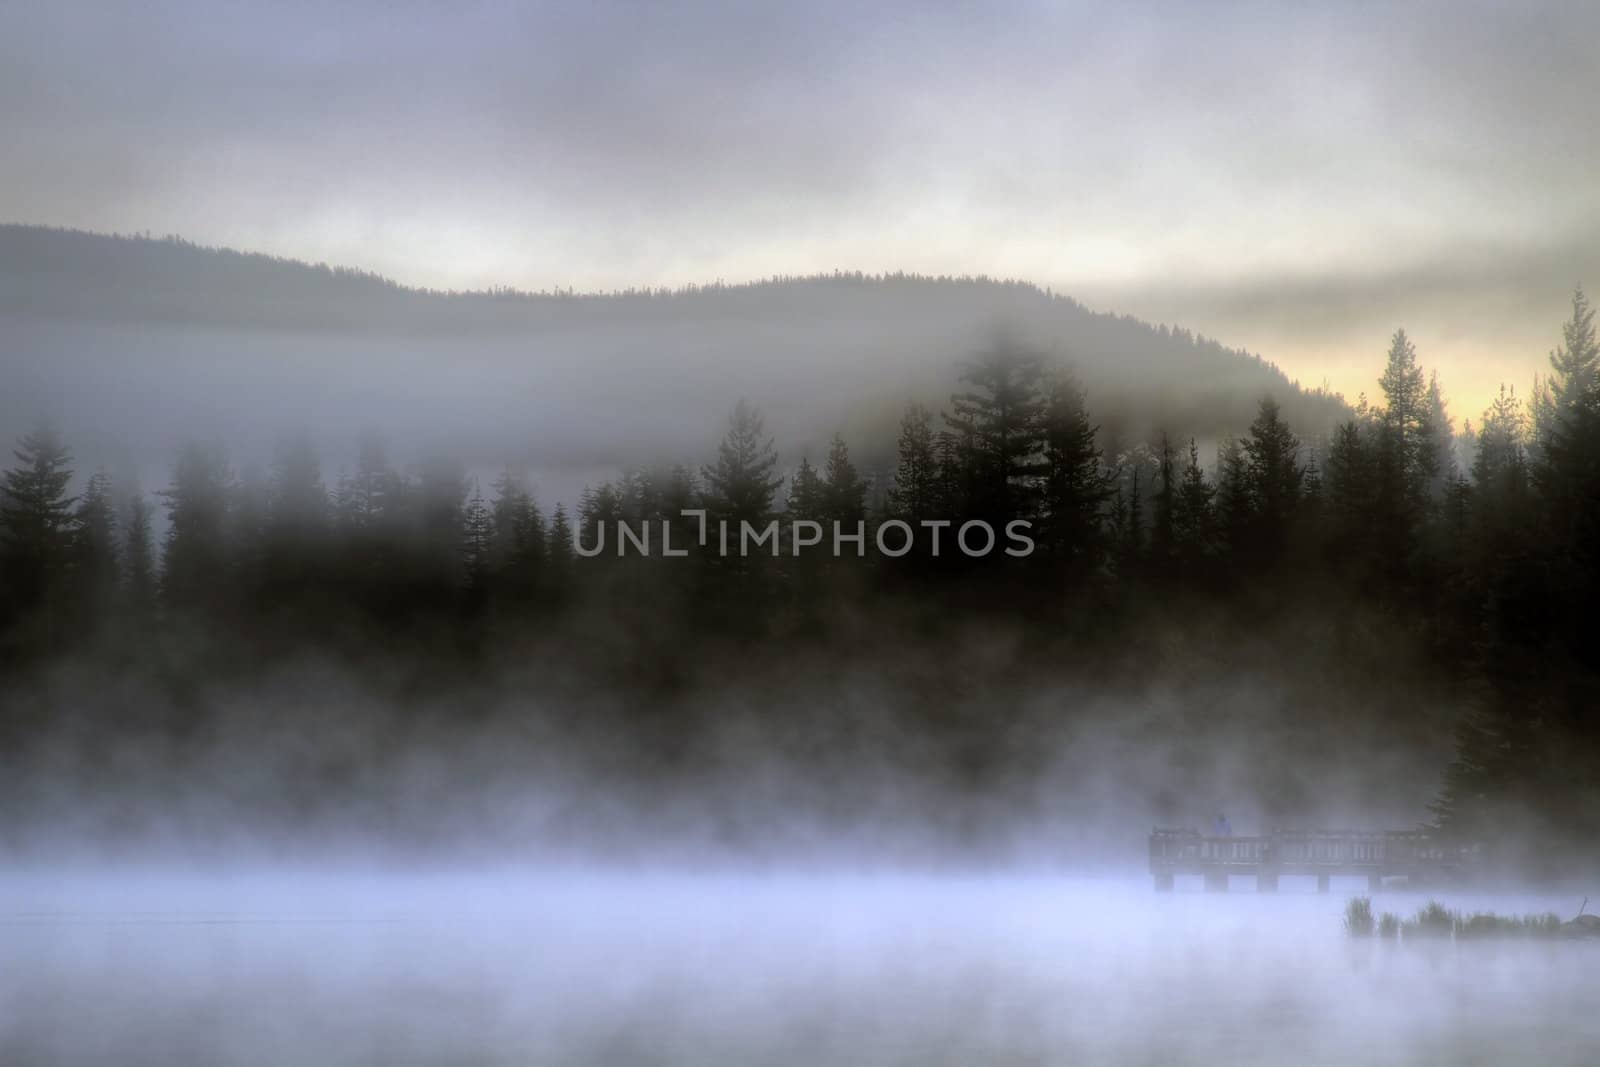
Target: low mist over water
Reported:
[(811, 535), (517, 967)]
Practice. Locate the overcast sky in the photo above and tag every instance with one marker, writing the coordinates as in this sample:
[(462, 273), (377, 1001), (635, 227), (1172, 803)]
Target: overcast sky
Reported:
[(1295, 180)]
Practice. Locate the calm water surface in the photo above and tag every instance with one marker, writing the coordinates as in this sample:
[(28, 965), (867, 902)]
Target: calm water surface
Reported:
[(278, 970)]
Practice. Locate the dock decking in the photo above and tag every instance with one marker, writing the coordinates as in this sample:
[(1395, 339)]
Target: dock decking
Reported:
[(1409, 854)]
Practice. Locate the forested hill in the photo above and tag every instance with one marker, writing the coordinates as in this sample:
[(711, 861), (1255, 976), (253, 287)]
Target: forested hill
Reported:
[(834, 339)]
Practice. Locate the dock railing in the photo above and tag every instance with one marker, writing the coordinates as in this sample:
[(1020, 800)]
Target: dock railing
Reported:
[(1377, 854)]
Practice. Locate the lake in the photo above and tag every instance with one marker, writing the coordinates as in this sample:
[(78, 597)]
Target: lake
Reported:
[(489, 968)]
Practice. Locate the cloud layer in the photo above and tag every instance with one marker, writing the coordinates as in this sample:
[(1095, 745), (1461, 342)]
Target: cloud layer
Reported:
[(1298, 180)]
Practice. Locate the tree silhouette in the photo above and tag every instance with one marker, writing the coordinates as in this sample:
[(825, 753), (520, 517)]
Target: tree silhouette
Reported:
[(741, 483), (35, 523), (195, 555), (1075, 488), (807, 494), (138, 557), (94, 546), (1274, 477), (1192, 521), (915, 493), (997, 424), (844, 492)]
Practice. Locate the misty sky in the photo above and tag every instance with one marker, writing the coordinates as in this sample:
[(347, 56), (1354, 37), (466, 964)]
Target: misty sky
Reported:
[(1291, 179)]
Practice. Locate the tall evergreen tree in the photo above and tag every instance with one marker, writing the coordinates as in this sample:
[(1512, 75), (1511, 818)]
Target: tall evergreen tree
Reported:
[(1499, 465), (1274, 475), (599, 509), (1165, 501), (35, 522), (562, 555), (915, 493), (997, 421), (1192, 525), (1568, 471), (373, 497), (1408, 456), (518, 538), (1075, 487), (1233, 501), (296, 526), (138, 556), (195, 561), (807, 494), (1442, 440), (1130, 526), (844, 492), (1349, 487), (954, 486), (477, 545), (94, 544), (439, 517), (741, 484)]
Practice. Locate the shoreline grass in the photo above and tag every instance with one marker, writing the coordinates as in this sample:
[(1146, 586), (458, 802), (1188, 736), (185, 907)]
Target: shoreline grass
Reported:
[(1435, 922)]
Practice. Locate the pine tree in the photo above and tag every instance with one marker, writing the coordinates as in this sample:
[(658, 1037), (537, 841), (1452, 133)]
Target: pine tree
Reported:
[(195, 563), (1130, 542), (561, 550), (1075, 488), (1541, 420), (477, 543), (440, 501), (1568, 471), (35, 522), (997, 422), (915, 493), (94, 544), (518, 538), (1349, 497), (741, 484), (599, 511), (844, 493), (1162, 536), (373, 497), (1499, 467), (138, 557), (1575, 370), (1442, 442), (1192, 526), (807, 494), (954, 484), (1233, 500), (1408, 456), (1274, 476), (296, 521), (678, 493)]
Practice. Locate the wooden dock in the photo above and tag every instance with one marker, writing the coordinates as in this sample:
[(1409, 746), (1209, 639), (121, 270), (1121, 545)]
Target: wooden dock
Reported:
[(1322, 854)]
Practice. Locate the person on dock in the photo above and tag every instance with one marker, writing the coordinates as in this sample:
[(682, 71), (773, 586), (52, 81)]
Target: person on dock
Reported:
[(1221, 827)]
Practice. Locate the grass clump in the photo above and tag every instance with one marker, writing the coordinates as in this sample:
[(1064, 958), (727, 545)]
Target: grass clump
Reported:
[(1432, 920), (1488, 924), (1358, 917)]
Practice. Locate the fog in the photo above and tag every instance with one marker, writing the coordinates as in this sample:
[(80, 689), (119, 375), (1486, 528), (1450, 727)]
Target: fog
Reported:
[(333, 342), (511, 966), (133, 348)]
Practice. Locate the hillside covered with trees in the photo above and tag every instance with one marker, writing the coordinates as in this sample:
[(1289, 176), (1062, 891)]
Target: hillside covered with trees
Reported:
[(187, 329), (1390, 617)]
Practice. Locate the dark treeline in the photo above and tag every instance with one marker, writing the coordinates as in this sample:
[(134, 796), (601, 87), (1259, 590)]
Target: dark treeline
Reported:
[(1479, 545)]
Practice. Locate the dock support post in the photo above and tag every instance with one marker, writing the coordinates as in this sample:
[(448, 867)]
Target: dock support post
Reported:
[(1164, 883), (1216, 883), (1322, 883), (1374, 882), (1267, 882)]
